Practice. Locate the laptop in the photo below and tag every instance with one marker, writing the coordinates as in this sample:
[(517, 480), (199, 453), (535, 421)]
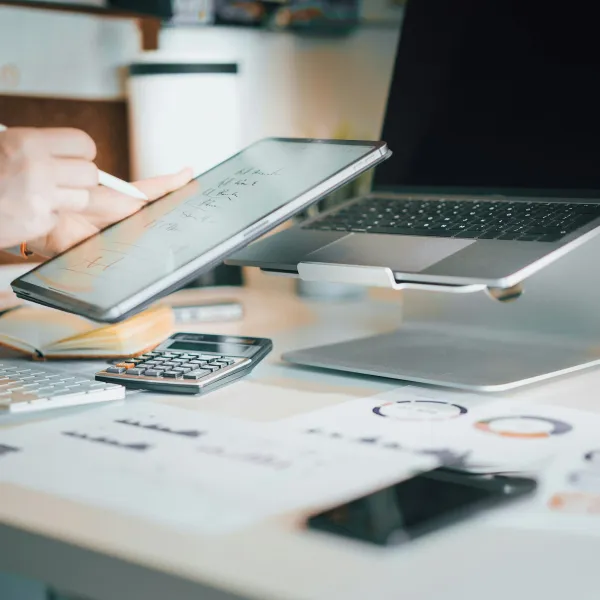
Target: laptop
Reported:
[(494, 121)]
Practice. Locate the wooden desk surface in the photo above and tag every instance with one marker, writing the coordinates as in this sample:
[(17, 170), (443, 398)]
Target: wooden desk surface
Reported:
[(106, 556)]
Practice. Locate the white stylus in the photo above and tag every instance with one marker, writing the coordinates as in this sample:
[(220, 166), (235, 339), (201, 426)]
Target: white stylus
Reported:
[(114, 183)]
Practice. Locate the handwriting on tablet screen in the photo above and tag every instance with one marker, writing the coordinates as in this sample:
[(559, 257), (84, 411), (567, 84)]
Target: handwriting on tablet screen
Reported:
[(213, 199), (178, 228)]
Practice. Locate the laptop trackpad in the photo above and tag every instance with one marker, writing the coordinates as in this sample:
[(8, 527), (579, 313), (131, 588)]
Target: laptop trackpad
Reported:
[(409, 254)]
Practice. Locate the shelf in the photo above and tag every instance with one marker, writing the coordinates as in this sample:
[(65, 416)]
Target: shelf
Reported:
[(73, 8), (149, 25)]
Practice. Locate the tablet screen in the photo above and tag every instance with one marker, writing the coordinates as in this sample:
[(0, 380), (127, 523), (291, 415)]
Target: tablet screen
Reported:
[(164, 236)]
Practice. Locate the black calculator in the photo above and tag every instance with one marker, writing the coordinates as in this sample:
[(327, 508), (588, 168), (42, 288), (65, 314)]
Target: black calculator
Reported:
[(190, 363)]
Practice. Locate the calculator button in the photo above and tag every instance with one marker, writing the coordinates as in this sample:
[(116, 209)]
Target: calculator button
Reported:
[(172, 374), (197, 374), (228, 361), (209, 357), (154, 372), (116, 370), (212, 368), (220, 363), (135, 372), (181, 370), (198, 362)]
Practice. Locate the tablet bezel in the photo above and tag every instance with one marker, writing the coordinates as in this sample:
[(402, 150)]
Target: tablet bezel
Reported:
[(191, 270)]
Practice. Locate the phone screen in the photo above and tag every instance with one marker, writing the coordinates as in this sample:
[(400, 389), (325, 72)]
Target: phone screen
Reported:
[(419, 505)]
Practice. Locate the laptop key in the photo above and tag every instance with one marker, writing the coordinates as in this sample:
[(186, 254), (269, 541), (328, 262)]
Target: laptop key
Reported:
[(468, 234)]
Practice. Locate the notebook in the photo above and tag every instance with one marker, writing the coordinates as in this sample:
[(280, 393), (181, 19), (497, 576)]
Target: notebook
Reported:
[(47, 333)]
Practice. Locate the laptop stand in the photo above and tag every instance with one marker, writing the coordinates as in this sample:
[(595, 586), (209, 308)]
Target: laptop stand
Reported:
[(464, 337)]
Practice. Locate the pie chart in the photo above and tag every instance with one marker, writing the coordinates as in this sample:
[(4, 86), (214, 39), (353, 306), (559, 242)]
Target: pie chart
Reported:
[(419, 410), (523, 426)]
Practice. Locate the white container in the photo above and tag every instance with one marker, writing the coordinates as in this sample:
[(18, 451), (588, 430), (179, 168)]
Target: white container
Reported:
[(182, 114)]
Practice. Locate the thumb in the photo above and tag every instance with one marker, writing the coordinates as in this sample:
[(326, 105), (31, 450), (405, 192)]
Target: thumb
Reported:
[(159, 186)]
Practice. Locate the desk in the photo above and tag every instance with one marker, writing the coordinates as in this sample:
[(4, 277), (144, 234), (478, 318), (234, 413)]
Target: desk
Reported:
[(105, 556)]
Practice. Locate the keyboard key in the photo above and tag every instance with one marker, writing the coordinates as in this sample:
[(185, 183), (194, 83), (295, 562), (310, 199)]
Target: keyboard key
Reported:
[(154, 373), (197, 374), (116, 370), (135, 372), (172, 374), (468, 234)]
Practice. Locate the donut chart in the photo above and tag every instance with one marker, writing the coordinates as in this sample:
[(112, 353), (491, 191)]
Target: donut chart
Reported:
[(419, 410), (523, 427)]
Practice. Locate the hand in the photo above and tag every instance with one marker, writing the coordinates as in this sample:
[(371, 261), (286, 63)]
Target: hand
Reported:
[(105, 207), (42, 172)]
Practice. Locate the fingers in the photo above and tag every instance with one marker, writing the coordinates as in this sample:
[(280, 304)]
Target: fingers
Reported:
[(68, 143), (107, 206), (74, 173), (69, 199), (159, 186)]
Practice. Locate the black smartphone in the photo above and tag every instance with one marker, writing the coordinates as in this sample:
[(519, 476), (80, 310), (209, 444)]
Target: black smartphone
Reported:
[(420, 505)]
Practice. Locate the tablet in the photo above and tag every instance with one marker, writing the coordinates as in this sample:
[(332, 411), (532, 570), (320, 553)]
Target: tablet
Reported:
[(171, 241)]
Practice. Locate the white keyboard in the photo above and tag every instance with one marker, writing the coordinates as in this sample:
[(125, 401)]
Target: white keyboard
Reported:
[(31, 387)]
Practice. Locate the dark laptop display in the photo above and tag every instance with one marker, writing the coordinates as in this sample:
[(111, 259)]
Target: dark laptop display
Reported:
[(493, 119), (495, 94)]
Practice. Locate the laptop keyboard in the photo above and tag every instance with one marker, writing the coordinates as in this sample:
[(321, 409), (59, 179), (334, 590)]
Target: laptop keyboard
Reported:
[(501, 220)]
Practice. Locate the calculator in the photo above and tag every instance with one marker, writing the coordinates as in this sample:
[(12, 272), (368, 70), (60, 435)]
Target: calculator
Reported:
[(190, 363)]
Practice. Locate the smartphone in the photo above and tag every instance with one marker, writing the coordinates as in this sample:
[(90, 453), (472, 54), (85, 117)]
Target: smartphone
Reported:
[(420, 505)]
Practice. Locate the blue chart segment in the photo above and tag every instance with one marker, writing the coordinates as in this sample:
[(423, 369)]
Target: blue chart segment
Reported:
[(189, 433), (447, 456), (419, 410), (6, 450), (138, 446)]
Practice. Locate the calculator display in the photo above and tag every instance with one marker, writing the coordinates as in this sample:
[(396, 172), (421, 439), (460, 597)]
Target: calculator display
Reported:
[(214, 348)]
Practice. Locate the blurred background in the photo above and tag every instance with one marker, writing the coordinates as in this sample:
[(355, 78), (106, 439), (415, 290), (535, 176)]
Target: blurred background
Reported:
[(161, 84)]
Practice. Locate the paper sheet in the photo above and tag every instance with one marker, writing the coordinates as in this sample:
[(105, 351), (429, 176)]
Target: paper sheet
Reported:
[(192, 470), (473, 432), (568, 495)]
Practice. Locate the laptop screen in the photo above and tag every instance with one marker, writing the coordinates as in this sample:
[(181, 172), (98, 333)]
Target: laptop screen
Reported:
[(495, 95)]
